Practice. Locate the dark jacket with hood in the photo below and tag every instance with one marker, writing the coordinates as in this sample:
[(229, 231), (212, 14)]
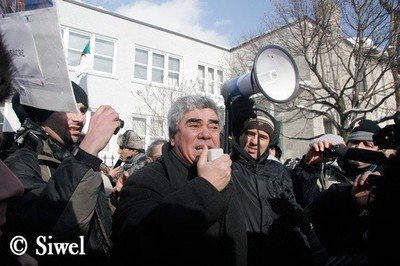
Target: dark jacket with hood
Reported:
[(276, 224), (168, 215), (63, 198), (341, 226)]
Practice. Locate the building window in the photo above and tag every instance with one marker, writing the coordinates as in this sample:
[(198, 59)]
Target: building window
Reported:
[(220, 77), (76, 44), (201, 77), (157, 71), (103, 60), (157, 128), (148, 128), (174, 70), (141, 62), (102, 50), (139, 126), (155, 66), (328, 126), (209, 79)]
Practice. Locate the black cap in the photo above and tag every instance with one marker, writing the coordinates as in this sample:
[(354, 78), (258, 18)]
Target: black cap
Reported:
[(40, 115), (80, 95), (364, 131)]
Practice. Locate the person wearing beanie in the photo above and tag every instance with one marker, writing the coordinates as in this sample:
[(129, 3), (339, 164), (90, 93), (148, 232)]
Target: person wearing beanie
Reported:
[(317, 172), (329, 188), (60, 171), (262, 183)]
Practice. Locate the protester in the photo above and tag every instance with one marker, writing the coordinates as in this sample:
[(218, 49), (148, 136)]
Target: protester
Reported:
[(64, 194), (317, 172), (10, 185), (276, 226), (154, 151), (181, 209), (131, 154), (337, 196), (132, 158)]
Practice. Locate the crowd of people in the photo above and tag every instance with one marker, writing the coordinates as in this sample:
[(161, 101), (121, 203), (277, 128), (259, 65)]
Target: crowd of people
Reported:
[(169, 204)]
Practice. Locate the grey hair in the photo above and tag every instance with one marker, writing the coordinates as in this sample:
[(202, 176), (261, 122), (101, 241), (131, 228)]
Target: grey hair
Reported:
[(188, 103), (150, 149)]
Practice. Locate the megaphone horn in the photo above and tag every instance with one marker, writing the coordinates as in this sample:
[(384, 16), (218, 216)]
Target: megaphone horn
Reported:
[(274, 74)]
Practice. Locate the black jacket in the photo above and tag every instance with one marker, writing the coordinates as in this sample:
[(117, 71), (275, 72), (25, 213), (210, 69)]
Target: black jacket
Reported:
[(341, 225), (170, 216), (310, 180), (277, 227), (63, 198)]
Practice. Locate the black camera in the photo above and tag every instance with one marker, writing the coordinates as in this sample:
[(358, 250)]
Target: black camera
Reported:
[(331, 152), (388, 137)]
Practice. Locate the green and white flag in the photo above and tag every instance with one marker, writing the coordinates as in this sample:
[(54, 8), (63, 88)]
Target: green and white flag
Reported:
[(86, 61)]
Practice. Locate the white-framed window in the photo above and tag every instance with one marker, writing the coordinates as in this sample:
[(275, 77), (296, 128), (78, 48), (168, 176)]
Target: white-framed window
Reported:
[(156, 66), (148, 128), (102, 49), (210, 79), (201, 77), (156, 128), (76, 42), (328, 126), (139, 126)]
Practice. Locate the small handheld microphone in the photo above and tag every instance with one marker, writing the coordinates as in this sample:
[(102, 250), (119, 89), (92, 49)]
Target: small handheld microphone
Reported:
[(213, 154)]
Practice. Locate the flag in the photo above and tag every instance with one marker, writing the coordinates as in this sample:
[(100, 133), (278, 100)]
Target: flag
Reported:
[(86, 61)]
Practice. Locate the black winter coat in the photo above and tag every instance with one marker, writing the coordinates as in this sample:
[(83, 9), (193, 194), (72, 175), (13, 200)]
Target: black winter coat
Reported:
[(277, 227), (64, 197), (170, 216)]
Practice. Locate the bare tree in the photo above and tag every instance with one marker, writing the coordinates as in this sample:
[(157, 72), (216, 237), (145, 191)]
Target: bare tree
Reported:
[(158, 99), (393, 9), (343, 51)]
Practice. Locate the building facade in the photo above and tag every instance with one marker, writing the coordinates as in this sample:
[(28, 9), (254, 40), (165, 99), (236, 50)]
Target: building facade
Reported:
[(139, 69)]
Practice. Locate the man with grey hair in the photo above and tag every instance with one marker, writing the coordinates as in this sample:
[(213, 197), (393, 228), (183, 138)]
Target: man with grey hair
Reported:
[(182, 209)]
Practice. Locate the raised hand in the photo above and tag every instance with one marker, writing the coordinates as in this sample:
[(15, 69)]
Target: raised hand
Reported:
[(217, 172), (104, 123)]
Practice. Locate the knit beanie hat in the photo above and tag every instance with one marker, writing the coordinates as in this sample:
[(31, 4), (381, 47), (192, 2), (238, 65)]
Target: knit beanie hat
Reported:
[(80, 95), (130, 140), (364, 131), (260, 122)]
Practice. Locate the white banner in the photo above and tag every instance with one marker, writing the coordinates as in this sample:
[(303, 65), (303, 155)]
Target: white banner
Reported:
[(33, 39)]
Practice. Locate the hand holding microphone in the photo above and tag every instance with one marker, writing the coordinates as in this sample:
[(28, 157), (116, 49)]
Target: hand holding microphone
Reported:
[(217, 170)]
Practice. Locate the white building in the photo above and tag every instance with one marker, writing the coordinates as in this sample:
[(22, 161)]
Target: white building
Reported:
[(130, 58), (139, 69)]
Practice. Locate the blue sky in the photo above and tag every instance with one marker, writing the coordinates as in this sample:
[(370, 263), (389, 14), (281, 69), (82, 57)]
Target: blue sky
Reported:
[(222, 22)]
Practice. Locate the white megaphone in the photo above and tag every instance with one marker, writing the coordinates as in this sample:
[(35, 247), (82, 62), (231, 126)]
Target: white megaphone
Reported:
[(274, 74)]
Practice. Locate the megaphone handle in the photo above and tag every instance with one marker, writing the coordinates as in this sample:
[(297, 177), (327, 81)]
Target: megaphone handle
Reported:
[(228, 128)]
